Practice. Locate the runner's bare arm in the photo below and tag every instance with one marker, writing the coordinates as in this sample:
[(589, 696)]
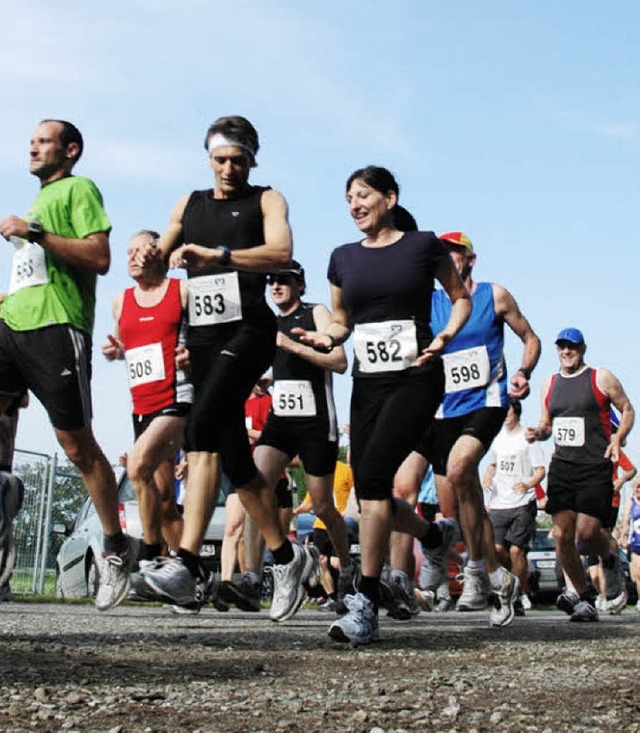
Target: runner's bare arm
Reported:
[(335, 360), (91, 253), (112, 348), (272, 255), (506, 307), (610, 385), (336, 332), (449, 278), (543, 430)]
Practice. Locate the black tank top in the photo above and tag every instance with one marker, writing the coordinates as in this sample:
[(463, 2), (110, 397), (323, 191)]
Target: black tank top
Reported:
[(580, 418), (237, 224), (291, 366)]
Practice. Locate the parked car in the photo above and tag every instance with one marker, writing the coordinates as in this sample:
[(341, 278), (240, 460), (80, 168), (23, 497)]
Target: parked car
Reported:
[(76, 567), (543, 577)]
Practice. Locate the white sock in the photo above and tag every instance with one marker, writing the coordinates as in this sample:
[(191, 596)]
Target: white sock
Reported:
[(497, 577)]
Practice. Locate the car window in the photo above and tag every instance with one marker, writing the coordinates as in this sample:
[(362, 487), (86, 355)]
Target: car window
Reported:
[(542, 541), (86, 509), (126, 491)]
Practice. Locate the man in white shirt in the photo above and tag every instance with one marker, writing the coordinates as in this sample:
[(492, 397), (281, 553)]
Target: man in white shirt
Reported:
[(515, 468)]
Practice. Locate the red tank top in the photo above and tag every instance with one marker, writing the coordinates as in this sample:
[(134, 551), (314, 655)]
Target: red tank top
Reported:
[(150, 336)]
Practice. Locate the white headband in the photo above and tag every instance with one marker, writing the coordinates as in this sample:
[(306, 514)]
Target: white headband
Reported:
[(218, 140)]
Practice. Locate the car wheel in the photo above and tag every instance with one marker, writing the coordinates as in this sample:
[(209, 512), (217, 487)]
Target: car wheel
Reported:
[(93, 577)]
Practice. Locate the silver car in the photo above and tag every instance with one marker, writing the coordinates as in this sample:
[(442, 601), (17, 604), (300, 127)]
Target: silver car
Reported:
[(542, 564), (76, 567)]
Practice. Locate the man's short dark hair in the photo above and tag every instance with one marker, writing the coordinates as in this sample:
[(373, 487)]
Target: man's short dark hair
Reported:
[(237, 128), (69, 134), (517, 406)]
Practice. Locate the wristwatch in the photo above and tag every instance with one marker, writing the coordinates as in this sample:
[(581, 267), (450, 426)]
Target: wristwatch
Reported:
[(35, 231), (225, 255)]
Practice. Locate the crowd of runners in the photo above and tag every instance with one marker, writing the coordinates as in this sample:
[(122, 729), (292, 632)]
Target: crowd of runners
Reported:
[(431, 396)]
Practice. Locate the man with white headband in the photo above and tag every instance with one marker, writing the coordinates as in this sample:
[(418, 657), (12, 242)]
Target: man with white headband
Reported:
[(233, 235)]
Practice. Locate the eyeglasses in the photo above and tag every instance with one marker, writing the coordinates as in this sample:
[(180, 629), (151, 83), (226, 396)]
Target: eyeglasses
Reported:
[(280, 279)]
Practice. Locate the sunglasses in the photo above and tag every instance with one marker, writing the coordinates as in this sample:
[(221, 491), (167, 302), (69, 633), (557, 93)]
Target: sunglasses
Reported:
[(280, 279)]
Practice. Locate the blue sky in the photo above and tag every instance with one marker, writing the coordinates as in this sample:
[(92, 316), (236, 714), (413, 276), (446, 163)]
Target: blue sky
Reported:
[(516, 123)]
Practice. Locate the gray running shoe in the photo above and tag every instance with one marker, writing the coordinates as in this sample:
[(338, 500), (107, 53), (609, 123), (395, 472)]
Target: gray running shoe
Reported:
[(475, 590), (171, 581), (425, 599), (404, 606), (504, 600), (359, 625), (244, 594), (613, 580), (288, 580), (435, 561), (445, 605), (114, 578), (140, 591), (584, 612), (5, 593), (567, 601)]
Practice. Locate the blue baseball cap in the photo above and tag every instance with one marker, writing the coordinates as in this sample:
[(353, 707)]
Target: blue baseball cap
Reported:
[(574, 335)]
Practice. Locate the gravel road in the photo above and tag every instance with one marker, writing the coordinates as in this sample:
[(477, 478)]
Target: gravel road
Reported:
[(69, 668)]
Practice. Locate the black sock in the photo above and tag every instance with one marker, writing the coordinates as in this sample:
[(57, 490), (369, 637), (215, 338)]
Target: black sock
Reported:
[(283, 554), (589, 596), (116, 543), (433, 537), (150, 552), (191, 561), (370, 587)]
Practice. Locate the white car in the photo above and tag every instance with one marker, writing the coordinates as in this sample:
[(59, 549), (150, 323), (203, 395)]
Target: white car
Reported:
[(76, 568)]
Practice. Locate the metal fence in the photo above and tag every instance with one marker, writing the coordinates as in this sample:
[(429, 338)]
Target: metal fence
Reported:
[(32, 526)]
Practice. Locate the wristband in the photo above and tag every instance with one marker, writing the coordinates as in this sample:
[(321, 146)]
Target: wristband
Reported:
[(225, 255), (327, 349), (526, 373)]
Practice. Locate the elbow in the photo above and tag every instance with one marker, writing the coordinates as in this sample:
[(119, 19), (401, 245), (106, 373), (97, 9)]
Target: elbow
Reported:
[(102, 266), (341, 366)]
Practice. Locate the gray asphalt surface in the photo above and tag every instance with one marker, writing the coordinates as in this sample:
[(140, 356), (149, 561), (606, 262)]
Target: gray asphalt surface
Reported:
[(140, 668)]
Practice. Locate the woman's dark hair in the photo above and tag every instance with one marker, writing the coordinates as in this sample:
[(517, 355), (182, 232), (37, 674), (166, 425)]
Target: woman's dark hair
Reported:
[(517, 406), (383, 180)]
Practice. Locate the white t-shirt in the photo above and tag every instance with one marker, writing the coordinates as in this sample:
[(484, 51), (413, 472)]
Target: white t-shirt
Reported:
[(515, 461)]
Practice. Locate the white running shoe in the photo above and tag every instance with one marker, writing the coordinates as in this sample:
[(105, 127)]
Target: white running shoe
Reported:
[(503, 609), (638, 607), (114, 578), (288, 580), (616, 606), (475, 590), (526, 602), (435, 561), (359, 625)]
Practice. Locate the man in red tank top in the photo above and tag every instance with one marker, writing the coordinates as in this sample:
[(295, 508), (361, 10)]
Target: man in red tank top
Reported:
[(149, 322)]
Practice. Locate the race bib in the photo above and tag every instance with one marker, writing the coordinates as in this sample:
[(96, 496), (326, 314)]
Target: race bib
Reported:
[(568, 431), (145, 364), (214, 299), (293, 398), (466, 369), (390, 346), (28, 268), (509, 465)]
